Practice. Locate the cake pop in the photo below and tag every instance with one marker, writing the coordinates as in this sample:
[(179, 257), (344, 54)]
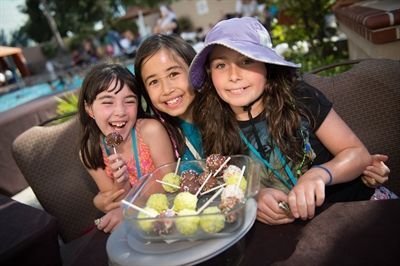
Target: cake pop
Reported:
[(214, 161), (189, 181), (212, 220), (174, 180), (113, 140), (185, 200), (158, 202), (187, 222)]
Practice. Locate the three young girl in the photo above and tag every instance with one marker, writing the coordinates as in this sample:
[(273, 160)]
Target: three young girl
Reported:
[(251, 101), (161, 68), (109, 102)]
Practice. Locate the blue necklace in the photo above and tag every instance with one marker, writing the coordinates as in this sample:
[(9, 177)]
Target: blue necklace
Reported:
[(293, 180)]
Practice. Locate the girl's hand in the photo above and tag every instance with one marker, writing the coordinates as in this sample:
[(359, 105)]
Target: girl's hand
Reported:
[(108, 200), (308, 193), (119, 168), (268, 210), (377, 173), (110, 221)]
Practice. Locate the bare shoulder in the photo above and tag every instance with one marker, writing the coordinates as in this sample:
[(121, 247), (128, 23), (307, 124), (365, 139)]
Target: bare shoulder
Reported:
[(150, 127)]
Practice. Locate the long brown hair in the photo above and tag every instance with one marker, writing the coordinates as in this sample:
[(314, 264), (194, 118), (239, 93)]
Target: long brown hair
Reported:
[(96, 81), (149, 47), (219, 128)]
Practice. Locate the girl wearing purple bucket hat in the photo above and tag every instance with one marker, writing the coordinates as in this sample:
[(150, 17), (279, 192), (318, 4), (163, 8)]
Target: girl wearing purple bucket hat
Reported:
[(251, 101)]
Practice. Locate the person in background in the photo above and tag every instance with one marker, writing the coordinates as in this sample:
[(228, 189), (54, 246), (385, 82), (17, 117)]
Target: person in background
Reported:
[(252, 101), (246, 8), (109, 102), (167, 23)]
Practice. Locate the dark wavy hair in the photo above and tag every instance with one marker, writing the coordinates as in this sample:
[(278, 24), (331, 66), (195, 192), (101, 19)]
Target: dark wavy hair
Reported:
[(148, 48), (97, 80), (220, 130)]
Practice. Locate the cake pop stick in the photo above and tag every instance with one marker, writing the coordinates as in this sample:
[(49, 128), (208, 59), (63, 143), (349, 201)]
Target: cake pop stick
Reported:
[(221, 167), (214, 188), (177, 165), (202, 185), (166, 183), (240, 178), (205, 205), (139, 209)]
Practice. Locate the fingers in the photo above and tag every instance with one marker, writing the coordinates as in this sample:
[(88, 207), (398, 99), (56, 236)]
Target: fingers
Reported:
[(302, 201), (121, 174), (273, 216), (268, 210), (380, 157), (112, 205), (369, 182), (108, 222), (297, 204)]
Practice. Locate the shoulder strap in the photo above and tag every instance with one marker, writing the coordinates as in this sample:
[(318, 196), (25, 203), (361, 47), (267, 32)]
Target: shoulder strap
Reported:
[(192, 149), (136, 153)]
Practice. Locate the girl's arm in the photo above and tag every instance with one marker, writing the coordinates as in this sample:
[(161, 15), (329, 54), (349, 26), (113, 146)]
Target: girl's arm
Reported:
[(156, 137), (351, 158), (110, 191)]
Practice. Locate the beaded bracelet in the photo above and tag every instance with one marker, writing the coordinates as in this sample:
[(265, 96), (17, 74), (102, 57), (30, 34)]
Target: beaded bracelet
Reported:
[(326, 170)]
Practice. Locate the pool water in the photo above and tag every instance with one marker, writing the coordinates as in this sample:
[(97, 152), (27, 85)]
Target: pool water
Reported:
[(27, 94), (24, 95)]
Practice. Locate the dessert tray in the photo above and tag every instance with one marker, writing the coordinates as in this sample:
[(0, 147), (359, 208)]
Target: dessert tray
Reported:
[(192, 200)]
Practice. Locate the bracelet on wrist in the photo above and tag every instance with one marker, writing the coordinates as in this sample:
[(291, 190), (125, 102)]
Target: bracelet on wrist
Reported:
[(326, 170)]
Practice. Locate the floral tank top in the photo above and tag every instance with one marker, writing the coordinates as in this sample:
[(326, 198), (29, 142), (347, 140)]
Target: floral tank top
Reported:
[(141, 157)]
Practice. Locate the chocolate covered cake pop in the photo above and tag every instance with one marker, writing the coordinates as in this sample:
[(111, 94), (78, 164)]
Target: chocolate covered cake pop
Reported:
[(231, 196), (164, 224), (212, 181), (114, 139), (189, 181), (214, 161)]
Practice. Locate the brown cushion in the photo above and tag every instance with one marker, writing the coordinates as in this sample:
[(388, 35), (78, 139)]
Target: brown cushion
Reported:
[(367, 97), (48, 158)]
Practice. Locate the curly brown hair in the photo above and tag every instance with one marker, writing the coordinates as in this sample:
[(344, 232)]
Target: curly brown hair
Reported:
[(220, 130)]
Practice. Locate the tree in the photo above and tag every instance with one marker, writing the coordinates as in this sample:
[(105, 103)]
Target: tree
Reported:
[(72, 16)]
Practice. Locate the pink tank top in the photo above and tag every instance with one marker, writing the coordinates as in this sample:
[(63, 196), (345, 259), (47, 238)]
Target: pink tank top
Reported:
[(142, 152)]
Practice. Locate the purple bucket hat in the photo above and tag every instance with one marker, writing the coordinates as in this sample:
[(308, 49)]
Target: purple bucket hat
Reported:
[(245, 35)]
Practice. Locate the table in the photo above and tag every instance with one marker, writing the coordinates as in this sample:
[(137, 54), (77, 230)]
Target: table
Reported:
[(349, 233), (28, 236)]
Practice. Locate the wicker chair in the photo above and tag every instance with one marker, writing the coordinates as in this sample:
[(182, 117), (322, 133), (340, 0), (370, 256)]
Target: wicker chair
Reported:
[(367, 97), (48, 158)]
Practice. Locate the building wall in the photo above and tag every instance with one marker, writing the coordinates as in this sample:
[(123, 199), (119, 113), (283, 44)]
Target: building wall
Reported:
[(217, 10)]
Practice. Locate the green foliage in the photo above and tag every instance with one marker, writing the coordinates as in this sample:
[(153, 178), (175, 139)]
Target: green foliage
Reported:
[(37, 27), (49, 49), (76, 16), (124, 25), (144, 3), (185, 24), (308, 37), (67, 104)]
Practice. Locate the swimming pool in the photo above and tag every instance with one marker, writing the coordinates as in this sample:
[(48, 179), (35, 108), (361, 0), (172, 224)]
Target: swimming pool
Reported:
[(27, 94)]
